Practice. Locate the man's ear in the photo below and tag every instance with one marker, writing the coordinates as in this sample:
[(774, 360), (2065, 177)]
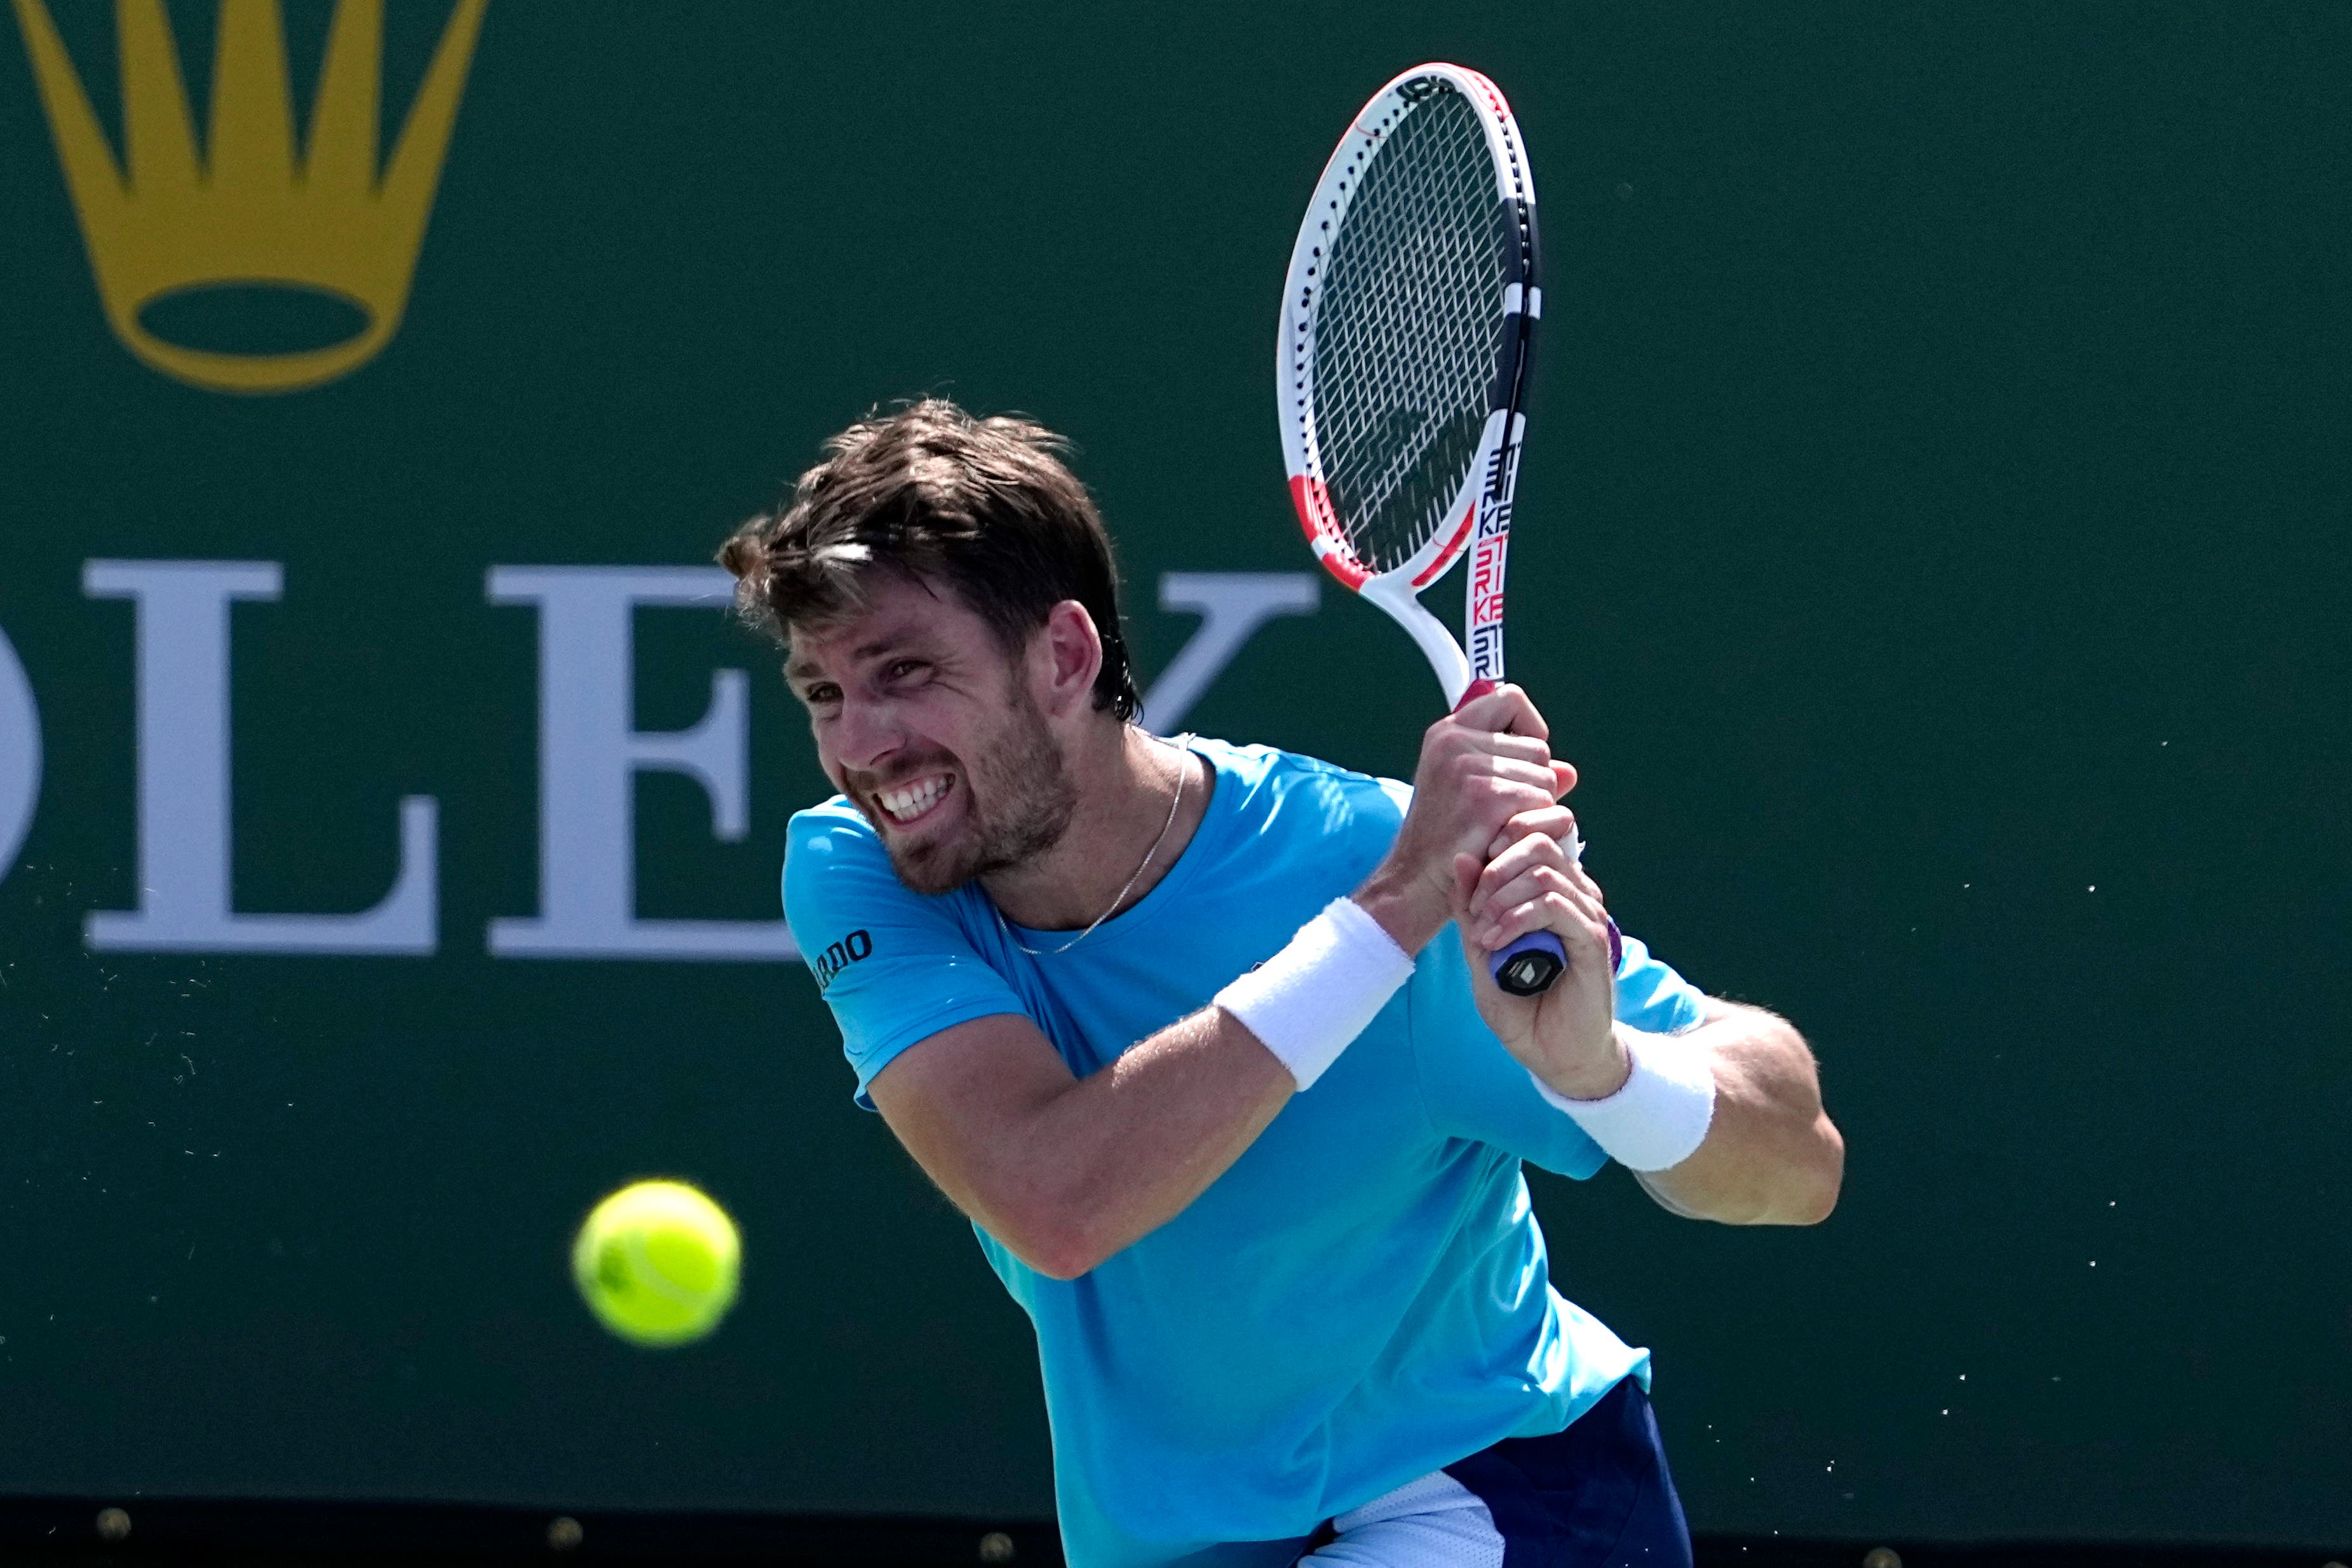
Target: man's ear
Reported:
[(1065, 658)]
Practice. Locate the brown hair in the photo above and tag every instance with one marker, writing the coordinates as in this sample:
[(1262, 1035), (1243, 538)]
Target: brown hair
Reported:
[(927, 491)]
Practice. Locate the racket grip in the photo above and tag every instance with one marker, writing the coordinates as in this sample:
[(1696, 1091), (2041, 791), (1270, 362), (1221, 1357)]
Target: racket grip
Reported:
[(1529, 966)]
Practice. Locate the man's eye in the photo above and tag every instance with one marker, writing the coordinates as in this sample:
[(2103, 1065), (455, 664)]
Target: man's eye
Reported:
[(900, 668), (821, 696)]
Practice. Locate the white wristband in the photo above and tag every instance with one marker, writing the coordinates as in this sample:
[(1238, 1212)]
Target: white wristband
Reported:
[(1309, 1001), (1660, 1116)]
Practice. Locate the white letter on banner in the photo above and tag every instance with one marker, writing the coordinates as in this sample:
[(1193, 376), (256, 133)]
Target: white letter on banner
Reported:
[(1231, 606), (183, 784), (20, 756), (590, 752)]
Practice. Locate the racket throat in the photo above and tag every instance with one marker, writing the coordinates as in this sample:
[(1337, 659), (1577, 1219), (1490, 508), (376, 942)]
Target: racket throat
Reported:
[(1444, 655)]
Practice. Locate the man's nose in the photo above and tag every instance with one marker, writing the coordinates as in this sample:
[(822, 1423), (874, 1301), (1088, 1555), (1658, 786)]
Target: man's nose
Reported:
[(865, 733)]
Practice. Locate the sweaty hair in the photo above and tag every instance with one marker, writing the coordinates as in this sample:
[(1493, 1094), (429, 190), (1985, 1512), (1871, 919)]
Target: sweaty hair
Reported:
[(928, 492)]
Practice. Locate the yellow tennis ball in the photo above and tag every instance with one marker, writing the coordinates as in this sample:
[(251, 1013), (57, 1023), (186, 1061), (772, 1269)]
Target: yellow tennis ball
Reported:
[(657, 1262)]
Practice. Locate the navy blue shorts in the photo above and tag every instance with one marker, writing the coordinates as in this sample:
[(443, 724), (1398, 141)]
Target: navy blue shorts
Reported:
[(1598, 1495)]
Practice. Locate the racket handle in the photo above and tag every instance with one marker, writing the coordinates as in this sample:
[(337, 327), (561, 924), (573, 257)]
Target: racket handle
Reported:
[(1529, 966)]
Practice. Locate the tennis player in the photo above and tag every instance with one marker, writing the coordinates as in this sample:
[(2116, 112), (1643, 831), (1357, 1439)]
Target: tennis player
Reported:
[(1180, 1026)]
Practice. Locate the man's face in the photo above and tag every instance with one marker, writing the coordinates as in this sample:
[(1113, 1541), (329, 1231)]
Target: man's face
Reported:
[(925, 721)]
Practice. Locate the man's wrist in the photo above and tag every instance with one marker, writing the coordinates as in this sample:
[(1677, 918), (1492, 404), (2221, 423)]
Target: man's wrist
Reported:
[(1308, 1002), (1408, 908), (1659, 1115), (1597, 1074)]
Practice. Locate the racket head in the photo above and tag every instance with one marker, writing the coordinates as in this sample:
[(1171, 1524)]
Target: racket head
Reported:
[(1406, 321)]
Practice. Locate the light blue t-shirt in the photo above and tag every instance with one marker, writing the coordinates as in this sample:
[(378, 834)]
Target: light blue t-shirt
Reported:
[(1363, 1296)]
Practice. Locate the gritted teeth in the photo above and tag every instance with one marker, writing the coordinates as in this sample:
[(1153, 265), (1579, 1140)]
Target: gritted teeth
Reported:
[(908, 801)]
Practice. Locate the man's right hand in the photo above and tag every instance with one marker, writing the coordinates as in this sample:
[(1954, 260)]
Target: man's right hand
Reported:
[(1482, 768)]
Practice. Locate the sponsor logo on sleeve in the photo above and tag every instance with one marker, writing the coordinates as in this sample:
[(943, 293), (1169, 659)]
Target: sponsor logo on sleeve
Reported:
[(838, 956)]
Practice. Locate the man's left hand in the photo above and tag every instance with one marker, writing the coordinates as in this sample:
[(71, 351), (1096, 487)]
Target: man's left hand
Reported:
[(1566, 1036)]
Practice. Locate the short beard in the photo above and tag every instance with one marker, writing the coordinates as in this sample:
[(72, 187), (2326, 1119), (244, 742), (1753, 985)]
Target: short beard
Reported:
[(1019, 804)]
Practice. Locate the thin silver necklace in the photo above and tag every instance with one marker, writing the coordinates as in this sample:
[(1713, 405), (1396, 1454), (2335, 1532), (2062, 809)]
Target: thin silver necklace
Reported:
[(1149, 855)]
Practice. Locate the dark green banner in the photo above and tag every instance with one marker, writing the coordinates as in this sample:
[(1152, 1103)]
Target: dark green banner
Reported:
[(1933, 547)]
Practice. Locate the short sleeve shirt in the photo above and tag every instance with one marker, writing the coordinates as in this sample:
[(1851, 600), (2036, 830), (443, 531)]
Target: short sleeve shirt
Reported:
[(1364, 1296)]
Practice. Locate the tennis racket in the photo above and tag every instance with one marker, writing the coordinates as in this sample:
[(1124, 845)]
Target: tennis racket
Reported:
[(1407, 321)]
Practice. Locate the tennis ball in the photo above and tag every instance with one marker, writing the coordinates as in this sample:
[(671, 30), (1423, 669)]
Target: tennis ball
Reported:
[(657, 1262)]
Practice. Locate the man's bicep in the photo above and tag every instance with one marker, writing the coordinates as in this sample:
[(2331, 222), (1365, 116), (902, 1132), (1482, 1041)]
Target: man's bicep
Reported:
[(962, 1103), (895, 967)]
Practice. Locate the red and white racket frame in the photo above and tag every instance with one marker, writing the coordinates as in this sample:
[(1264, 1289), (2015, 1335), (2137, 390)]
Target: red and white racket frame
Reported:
[(1483, 505)]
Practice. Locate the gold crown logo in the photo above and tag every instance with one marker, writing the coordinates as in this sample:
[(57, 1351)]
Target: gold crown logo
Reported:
[(248, 213)]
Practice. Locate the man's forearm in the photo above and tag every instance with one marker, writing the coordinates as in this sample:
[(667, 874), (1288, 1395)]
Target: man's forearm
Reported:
[(1066, 1171), (1771, 1155), (1172, 1113), (1121, 1152)]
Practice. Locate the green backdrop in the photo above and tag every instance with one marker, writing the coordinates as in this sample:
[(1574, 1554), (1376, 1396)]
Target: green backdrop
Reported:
[(1935, 548)]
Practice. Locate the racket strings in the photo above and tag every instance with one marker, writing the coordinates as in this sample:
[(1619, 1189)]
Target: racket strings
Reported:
[(1408, 332)]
